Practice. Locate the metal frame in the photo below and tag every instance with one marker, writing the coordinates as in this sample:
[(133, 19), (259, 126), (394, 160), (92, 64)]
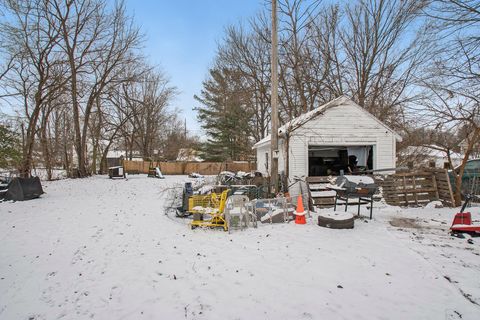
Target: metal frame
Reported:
[(341, 195), (212, 205), (277, 203), (237, 215)]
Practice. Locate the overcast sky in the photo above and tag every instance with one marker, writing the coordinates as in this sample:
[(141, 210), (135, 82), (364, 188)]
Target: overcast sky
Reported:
[(182, 37)]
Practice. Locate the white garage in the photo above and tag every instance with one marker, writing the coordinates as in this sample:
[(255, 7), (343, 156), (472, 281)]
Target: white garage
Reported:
[(320, 142)]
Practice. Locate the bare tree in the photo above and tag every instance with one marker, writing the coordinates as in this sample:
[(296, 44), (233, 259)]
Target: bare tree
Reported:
[(147, 101), (248, 54), (36, 73), (114, 117), (323, 56), (73, 72), (96, 43), (381, 55), (452, 79), (298, 78)]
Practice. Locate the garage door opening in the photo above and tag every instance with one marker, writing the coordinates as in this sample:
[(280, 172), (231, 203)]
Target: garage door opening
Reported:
[(328, 160)]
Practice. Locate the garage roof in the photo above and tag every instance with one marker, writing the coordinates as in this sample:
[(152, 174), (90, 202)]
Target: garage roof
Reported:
[(304, 118)]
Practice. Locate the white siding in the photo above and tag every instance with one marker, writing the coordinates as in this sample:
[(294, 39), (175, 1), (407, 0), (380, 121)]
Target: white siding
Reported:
[(344, 125), (298, 159), (281, 158), (261, 158)]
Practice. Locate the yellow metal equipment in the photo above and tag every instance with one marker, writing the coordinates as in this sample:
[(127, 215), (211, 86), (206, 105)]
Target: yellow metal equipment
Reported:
[(212, 205)]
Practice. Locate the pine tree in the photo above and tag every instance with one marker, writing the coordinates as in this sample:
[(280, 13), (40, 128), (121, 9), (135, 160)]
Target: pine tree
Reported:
[(224, 117), (10, 149)]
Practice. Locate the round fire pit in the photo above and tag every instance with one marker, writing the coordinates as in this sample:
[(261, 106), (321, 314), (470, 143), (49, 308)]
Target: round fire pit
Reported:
[(336, 220)]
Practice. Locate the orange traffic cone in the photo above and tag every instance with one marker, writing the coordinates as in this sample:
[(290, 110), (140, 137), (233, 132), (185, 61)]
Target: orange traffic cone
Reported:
[(300, 214)]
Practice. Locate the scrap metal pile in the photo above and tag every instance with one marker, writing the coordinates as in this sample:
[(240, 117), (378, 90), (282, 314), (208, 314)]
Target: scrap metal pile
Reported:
[(235, 202)]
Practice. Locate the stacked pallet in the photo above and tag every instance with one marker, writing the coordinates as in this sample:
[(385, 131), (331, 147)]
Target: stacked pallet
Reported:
[(444, 187), (321, 195), (417, 188)]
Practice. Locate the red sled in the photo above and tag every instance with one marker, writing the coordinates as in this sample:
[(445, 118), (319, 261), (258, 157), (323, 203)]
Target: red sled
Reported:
[(462, 223)]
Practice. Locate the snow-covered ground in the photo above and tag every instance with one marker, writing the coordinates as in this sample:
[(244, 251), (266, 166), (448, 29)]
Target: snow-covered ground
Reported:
[(104, 249)]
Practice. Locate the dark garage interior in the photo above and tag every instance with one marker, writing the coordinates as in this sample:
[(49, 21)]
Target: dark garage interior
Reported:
[(333, 160)]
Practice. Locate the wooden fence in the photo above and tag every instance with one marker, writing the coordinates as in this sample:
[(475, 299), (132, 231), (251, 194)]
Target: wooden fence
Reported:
[(173, 168), (418, 188)]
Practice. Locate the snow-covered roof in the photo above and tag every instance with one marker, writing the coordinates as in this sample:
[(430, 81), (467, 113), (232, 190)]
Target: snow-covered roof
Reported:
[(115, 153), (431, 151), (189, 154), (302, 119)]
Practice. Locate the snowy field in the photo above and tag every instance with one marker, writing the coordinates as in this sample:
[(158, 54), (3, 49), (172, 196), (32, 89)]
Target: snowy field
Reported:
[(104, 249)]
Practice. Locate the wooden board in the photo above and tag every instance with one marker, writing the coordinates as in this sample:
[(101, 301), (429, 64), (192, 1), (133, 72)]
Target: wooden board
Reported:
[(418, 187), (177, 168)]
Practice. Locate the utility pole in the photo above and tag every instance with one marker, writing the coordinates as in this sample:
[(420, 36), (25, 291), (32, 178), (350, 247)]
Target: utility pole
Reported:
[(274, 101)]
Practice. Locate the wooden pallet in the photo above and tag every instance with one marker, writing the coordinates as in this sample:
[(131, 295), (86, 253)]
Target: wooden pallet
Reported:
[(417, 188), (321, 196)]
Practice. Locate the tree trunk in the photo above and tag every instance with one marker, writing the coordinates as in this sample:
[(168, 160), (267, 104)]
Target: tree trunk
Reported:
[(287, 155), (45, 148), (458, 190), (103, 162), (76, 121), (26, 166), (93, 167), (96, 136)]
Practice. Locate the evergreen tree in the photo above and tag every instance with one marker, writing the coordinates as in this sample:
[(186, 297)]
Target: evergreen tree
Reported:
[(10, 150), (224, 117)]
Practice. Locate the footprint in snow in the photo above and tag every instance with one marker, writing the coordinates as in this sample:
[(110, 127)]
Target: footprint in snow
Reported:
[(77, 256), (114, 292)]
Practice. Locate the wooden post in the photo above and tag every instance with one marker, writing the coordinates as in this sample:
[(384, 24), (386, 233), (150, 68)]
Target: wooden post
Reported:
[(414, 191), (452, 197), (435, 186)]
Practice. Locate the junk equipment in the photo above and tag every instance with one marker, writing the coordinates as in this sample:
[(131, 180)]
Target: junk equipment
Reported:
[(273, 210), (462, 222), (249, 190), (336, 220), (208, 210), (195, 175), (159, 173), (3, 186), (20, 189), (354, 187), (116, 172), (182, 211), (237, 216), (300, 187), (154, 171)]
